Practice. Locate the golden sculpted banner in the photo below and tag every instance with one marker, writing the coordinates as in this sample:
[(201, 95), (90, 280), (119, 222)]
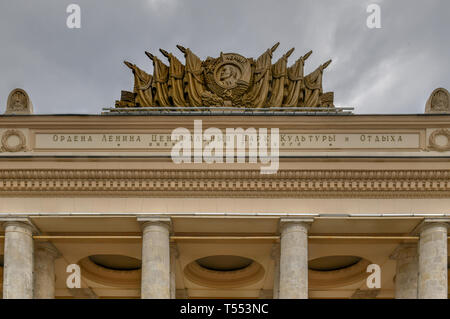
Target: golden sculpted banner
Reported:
[(230, 80)]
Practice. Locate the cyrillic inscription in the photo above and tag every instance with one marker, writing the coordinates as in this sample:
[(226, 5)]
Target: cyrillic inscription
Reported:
[(288, 141)]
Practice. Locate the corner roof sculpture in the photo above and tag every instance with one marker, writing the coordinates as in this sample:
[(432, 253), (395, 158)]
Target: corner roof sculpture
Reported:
[(231, 80)]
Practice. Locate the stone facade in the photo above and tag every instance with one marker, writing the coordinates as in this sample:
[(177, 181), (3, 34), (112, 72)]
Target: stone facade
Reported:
[(355, 191)]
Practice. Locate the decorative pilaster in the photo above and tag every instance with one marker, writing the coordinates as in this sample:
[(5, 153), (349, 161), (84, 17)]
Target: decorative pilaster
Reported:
[(173, 268), (294, 258), (407, 271), (276, 270), (155, 282), (18, 260), (44, 270), (433, 276)]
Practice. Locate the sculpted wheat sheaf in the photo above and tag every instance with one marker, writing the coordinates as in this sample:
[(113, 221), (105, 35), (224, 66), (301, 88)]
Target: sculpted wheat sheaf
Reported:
[(231, 80)]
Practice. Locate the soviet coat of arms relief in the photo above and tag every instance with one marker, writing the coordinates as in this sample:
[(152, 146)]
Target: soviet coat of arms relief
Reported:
[(230, 80)]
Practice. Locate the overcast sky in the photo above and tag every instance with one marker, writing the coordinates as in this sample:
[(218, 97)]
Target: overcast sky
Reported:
[(389, 70)]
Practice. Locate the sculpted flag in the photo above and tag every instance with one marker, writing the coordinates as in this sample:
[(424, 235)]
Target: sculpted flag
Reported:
[(294, 96), (160, 78), (142, 85), (175, 84), (313, 86), (257, 95), (193, 79), (279, 72)]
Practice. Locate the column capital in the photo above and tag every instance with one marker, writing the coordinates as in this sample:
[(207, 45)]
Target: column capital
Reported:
[(48, 248), (155, 220), (20, 222), (431, 222), (404, 250), (305, 221)]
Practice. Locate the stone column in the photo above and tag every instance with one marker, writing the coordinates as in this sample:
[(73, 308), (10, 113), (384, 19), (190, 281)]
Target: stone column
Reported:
[(44, 270), (433, 282), (173, 267), (294, 258), (407, 271), (276, 270), (155, 282), (18, 260)]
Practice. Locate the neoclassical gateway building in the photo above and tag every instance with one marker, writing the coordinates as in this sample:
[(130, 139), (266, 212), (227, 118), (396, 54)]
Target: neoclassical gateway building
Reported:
[(115, 205)]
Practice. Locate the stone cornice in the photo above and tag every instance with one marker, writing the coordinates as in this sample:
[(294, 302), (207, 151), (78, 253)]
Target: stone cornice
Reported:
[(89, 121), (226, 183)]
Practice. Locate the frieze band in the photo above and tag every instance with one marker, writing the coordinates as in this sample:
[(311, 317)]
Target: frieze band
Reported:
[(219, 183)]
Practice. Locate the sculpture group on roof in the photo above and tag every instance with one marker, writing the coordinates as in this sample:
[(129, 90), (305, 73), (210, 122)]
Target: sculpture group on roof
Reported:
[(230, 80)]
